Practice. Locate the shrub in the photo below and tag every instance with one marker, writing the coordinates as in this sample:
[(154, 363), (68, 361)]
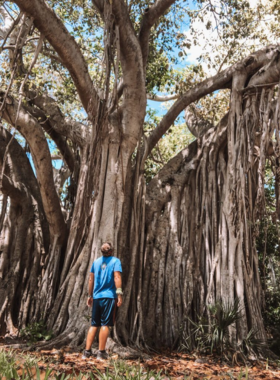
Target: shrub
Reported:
[(36, 331), (211, 332)]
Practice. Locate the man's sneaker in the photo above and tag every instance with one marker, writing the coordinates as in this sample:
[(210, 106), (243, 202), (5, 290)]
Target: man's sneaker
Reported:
[(102, 355), (86, 354)]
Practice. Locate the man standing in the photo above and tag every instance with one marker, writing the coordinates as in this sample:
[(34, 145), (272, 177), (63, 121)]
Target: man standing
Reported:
[(105, 275)]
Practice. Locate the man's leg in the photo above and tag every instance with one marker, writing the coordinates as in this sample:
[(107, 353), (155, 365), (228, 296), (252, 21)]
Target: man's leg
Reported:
[(90, 337), (103, 336), (107, 319)]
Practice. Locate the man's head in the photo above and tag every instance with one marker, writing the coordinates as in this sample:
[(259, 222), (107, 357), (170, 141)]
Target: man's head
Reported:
[(107, 249)]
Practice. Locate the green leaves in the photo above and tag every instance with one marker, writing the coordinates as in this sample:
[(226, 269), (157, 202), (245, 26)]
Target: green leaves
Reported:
[(176, 139), (251, 344), (211, 332), (8, 365), (158, 70), (225, 31), (36, 331)]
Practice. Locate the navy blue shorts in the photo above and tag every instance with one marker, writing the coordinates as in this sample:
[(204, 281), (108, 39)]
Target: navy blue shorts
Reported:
[(103, 312)]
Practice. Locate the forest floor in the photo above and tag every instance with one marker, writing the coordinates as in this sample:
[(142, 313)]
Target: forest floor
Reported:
[(66, 364)]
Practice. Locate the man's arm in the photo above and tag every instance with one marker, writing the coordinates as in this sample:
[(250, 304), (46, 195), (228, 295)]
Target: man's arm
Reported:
[(118, 285), (90, 289)]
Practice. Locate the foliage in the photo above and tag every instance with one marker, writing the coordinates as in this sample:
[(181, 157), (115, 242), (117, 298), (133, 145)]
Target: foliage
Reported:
[(251, 344), (176, 139), (125, 371), (214, 336), (230, 20), (8, 365), (210, 332), (226, 31), (158, 72), (267, 244), (36, 331), (9, 369), (272, 308), (158, 367), (222, 315)]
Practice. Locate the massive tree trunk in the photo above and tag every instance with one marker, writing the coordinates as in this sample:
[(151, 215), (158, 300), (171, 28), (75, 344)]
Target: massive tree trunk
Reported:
[(186, 239)]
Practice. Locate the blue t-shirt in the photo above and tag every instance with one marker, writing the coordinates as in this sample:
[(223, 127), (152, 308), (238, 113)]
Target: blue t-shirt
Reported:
[(103, 269)]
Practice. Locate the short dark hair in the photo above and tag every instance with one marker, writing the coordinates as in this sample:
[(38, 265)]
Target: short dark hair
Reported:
[(107, 248)]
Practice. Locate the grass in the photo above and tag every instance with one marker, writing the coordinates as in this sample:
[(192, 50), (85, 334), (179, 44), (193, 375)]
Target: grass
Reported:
[(25, 367), (123, 371)]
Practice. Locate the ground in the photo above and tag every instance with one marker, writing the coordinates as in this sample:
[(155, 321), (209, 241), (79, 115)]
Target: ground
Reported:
[(157, 366)]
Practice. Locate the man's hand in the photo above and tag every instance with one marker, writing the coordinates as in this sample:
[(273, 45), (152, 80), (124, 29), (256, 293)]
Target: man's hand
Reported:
[(118, 285), (120, 300), (89, 302)]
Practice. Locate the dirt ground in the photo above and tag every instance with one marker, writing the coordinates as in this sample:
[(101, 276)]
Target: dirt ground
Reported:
[(171, 365)]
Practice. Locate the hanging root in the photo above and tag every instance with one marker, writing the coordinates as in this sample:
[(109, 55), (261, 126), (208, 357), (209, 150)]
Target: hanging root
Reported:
[(202, 228)]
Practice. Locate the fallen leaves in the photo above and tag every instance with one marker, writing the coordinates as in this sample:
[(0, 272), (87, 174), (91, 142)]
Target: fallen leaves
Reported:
[(179, 365), (171, 366)]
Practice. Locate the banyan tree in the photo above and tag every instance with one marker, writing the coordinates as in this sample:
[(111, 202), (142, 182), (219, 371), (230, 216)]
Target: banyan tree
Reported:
[(187, 237)]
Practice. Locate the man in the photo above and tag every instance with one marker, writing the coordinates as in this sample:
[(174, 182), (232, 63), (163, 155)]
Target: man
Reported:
[(105, 275)]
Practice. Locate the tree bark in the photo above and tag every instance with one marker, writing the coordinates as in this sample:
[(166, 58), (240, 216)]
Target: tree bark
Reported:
[(31, 130), (186, 239), (24, 238)]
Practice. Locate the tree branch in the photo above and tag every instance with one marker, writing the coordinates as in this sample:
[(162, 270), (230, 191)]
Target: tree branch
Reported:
[(176, 171), (32, 132), (250, 64), (76, 132), (197, 125), (21, 172), (158, 190), (61, 142), (162, 98), (64, 44), (150, 17), (99, 6), (269, 74), (134, 89), (131, 56), (8, 23)]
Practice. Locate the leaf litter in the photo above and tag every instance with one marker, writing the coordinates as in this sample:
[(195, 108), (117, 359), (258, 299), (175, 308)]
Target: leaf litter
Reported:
[(170, 365)]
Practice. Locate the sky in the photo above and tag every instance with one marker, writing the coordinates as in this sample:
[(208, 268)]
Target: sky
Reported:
[(204, 39), (206, 35), (192, 56)]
